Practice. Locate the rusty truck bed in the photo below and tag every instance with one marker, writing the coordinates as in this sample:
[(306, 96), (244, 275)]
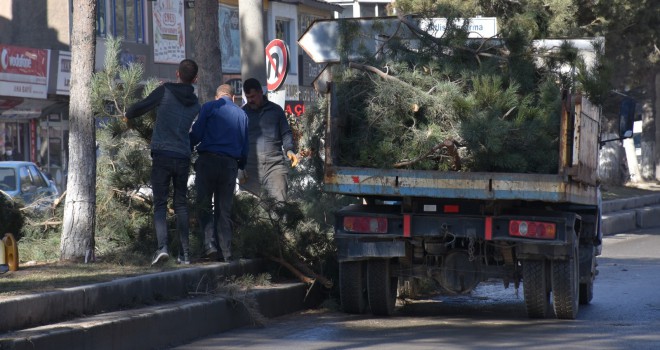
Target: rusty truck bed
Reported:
[(465, 185)]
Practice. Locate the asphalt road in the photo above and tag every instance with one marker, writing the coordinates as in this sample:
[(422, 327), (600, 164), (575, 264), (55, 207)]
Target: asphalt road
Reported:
[(624, 314)]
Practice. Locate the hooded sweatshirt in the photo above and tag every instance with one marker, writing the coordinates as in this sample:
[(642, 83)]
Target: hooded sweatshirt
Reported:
[(176, 108)]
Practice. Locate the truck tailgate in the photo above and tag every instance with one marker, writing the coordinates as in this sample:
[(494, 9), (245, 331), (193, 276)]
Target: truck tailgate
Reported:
[(464, 185)]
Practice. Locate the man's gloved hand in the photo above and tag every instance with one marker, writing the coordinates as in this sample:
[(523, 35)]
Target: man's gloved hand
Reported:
[(293, 158)]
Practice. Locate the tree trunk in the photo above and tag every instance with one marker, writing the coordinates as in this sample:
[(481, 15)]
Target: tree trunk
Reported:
[(207, 49), (253, 49), (612, 167), (656, 103), (77, 241), (648, 141)]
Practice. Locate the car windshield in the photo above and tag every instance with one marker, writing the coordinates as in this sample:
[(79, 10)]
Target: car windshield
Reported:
[(7, 179)]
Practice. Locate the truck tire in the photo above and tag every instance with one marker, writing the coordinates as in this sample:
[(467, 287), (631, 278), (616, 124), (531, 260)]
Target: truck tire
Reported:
[(381, 287), (352, 291), (587, 273), (565, 286), (536, 288)]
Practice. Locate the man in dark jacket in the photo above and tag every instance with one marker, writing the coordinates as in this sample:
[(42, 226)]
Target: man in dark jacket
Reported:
[(221, 136), (176, 107), (270, 139)]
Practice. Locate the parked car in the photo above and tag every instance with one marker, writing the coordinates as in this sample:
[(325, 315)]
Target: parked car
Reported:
[(24, 181)]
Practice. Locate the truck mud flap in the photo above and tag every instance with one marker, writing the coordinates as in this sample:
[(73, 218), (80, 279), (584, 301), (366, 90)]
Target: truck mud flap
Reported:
[(355, 250)]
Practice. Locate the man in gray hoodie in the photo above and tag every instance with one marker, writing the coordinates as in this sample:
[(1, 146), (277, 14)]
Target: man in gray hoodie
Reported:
[(176, 108)]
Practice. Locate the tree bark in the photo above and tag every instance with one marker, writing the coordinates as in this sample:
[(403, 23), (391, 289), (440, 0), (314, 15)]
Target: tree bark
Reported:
[(612, 167), (207, 49), (648, 141), (253, 49), (77, 241)]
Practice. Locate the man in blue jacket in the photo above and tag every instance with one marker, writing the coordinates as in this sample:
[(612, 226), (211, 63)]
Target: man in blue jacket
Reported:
[(176, 108), (221, 136)]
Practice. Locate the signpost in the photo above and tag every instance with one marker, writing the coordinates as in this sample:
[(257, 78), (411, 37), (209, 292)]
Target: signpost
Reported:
[(277, 64)]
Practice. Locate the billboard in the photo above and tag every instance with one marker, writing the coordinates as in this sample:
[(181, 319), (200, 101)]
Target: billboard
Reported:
[(169, 31), (230, 39), (24, 71)]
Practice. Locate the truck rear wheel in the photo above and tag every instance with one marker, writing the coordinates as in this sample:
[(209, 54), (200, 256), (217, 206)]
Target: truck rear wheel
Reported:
[(381, 287), (352, 291), (536, 288), (565, 286)]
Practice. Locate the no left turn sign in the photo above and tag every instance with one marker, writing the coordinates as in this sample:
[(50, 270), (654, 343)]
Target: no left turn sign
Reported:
[(277, 64)]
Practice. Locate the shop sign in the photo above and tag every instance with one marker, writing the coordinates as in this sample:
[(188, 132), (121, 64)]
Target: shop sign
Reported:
[(24, 71), (236, 85), (64, 73), (296, 108)]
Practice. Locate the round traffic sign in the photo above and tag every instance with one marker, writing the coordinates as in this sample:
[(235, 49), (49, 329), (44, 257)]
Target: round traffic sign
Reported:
[(277, 64)]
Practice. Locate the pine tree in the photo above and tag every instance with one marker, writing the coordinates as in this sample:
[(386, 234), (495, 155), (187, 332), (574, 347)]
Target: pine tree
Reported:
[(419, 98), (124, 205)]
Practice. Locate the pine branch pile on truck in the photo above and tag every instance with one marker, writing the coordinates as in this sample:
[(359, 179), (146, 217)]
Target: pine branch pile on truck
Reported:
[(448, 103)]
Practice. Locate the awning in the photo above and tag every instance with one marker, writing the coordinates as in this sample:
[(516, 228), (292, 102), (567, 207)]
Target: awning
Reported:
[(19, 108)]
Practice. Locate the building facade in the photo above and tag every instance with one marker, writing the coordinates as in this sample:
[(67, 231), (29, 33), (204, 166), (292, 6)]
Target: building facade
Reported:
[(35, 60)]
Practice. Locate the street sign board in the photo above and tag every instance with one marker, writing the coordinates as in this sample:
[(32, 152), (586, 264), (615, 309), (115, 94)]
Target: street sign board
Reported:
[(323, 38), (277, 64)]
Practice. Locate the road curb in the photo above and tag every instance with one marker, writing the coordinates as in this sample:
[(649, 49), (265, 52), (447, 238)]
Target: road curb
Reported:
[(37, 309), (159, 326), (630, 214)]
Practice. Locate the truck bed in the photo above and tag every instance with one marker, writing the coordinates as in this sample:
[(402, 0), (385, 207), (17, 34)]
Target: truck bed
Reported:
[(464, 185)]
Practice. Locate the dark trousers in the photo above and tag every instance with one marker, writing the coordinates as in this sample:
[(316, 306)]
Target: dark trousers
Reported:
[(268, 175), (166, 170), (215, 181)]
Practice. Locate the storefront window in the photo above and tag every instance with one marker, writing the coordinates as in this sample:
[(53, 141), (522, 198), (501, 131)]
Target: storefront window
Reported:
[(15, 140), (51, 148), (125, 18), (282, 29)]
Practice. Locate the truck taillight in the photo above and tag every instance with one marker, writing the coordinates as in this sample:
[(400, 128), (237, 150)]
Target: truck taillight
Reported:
[(364, 224), (532, 229)]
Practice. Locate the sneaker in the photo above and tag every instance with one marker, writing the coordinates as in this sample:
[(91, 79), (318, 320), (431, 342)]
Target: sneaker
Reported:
[(211, 252), (160, 256), (183, 259)]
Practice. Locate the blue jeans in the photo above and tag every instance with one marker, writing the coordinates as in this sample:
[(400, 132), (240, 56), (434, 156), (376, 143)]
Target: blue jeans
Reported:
[(166, 170), (215, 181)]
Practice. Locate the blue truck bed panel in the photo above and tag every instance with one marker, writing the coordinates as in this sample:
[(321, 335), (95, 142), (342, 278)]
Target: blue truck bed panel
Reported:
[(464, 185)]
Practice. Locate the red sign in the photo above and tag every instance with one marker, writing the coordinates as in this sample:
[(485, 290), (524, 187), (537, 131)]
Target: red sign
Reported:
[(23, 71), (296, 108), (33, 140), (277, 64)]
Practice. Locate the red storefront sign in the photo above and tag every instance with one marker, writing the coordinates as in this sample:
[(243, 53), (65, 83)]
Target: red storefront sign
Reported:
[(24, 71), (296, 108), (33, 140)]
